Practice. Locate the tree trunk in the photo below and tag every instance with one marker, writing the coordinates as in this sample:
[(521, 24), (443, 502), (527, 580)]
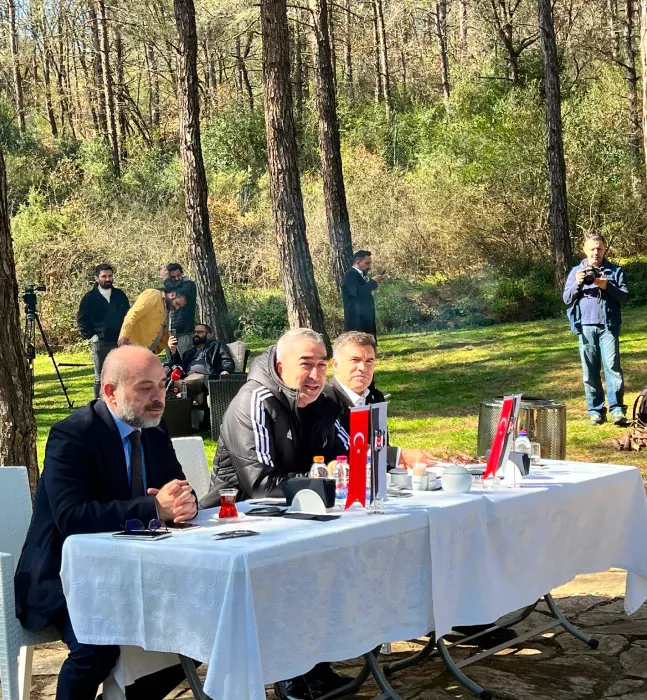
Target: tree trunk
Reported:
[(384, 60), (107, 80), (153, 88), (99, 88), (339, 235), (298, 71), (378, 91), (201, 252), (15, 65), (643, 61), (558, 211), (441, 39), (614, 31), (348, 56), (120, 91), (301, 294), (49, 105), (17, 422), (462, 25), (632, 82)]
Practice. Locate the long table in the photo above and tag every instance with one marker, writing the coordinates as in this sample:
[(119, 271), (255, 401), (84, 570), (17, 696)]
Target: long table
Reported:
[(265, 608)]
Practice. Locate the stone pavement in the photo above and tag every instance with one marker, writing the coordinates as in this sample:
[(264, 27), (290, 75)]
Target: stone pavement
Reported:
[(552, 667)]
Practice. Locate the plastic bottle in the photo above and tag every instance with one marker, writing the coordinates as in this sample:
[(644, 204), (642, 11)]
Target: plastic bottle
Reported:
[(340, 475), (318, 469), (183, 390), (369, 478), (522, 443)]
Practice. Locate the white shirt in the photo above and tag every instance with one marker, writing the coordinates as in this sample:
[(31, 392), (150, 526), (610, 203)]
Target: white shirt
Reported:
[(358, 270), (356, 399), (105, 293)]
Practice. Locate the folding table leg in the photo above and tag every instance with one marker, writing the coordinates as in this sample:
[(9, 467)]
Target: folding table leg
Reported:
[(376, 670), (191, 674), (473, 687), (414, 659), (557, 614)]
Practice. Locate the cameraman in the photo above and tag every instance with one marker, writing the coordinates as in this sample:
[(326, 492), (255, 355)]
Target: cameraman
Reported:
[(593, 293)]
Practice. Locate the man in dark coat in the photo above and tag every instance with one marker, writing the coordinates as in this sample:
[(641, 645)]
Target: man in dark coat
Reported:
[(101, 313), (108, 462), (357, 293), (271, 431), (181, 321)]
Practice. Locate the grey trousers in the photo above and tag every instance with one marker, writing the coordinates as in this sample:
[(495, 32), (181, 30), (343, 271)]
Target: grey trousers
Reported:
[(100, 350)]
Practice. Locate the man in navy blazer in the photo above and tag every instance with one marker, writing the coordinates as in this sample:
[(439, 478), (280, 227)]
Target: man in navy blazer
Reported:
[(108, 462), (357, 294)]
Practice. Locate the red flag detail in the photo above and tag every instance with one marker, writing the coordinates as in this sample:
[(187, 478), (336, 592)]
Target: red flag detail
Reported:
[(357, 456), (498, 444)]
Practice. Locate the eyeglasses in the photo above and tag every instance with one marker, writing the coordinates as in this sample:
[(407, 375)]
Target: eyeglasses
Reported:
[(155, 525)]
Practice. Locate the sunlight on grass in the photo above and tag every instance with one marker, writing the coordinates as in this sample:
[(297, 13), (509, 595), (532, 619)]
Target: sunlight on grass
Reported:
[(437, 381)]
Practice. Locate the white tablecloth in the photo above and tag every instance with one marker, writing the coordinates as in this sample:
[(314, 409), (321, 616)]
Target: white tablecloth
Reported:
[(265, 608)]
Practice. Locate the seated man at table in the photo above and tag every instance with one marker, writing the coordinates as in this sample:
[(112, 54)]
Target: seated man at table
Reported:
[(353, 364), (271, 431), (208, 357), (107, 463)]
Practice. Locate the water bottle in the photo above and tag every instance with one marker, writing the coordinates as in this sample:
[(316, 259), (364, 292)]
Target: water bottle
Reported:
[(318, 469), (522, 443), (183, 390), (369, 478), (340, 475)]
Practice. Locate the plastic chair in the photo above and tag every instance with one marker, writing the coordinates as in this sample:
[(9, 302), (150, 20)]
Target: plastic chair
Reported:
[(16, 643), (191, 455), (240, 355)]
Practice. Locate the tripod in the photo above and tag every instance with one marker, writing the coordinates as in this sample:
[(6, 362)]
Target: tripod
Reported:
[(29, 342)]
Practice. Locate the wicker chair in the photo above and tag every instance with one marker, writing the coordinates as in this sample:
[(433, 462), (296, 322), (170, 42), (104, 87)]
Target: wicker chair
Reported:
[(221, 393), (16, 643)]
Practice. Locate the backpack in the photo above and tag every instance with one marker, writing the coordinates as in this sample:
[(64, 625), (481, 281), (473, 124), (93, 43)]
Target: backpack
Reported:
[(640, 410)]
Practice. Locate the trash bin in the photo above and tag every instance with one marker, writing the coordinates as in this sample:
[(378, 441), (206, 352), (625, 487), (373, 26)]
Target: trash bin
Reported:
[(543, 419)]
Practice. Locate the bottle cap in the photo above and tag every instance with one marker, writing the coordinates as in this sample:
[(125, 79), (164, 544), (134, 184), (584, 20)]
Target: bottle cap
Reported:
[(318, 459), (523, 432), (342, 458)]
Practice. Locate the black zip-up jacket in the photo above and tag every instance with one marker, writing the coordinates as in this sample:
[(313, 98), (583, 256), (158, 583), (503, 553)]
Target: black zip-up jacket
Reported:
[(334, 391), (266, 439), (98, 316), (217, 358)]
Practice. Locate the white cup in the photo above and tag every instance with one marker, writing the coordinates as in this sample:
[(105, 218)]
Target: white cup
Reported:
[(419, 483)]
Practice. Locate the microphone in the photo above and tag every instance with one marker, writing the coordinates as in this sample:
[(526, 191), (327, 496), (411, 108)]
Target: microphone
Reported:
[(174, 374)]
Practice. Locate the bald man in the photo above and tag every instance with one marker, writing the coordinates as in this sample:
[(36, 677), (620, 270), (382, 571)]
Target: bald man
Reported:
[(108, 462)]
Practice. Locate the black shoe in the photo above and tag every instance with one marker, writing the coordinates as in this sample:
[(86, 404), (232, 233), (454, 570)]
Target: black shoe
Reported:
[(323, 679), (293, 689), (491, 639)]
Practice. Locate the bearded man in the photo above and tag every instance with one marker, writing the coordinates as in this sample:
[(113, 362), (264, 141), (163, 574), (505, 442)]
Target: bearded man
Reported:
[(107, 463)]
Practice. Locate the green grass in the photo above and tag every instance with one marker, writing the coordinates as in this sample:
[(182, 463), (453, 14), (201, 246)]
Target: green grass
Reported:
[(437, 381)]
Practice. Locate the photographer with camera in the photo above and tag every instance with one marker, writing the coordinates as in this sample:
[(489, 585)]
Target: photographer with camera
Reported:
[(101, 313), (593, 293)]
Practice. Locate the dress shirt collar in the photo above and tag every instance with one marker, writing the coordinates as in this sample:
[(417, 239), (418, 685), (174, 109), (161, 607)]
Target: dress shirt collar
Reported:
[(358, 270), (124, 428), (355, 399)]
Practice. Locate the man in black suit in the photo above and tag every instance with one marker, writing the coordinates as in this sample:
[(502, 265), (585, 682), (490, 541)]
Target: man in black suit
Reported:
[(101, 313), (108, 462), (357, 293), (353, 363)]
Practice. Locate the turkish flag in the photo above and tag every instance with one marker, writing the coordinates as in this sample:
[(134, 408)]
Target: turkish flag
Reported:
[(357, 455), (499, 444)]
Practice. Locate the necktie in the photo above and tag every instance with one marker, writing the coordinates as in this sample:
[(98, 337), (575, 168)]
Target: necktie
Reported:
[(136, 480)]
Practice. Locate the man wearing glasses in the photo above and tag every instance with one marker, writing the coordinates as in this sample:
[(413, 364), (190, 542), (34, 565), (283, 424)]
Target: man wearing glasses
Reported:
[(108, 463)]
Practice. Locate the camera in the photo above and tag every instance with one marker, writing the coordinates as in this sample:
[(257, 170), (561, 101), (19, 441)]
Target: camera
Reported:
[(591, 273), (30, 298)]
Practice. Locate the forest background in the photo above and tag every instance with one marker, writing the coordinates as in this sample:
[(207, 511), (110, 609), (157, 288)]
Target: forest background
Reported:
[(442, 118)]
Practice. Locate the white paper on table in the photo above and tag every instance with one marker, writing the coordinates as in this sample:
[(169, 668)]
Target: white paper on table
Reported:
[(512, 475)]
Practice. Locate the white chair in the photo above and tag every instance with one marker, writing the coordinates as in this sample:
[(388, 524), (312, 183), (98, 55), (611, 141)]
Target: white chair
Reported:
[(15, 641), (240, 355), (191, 455)]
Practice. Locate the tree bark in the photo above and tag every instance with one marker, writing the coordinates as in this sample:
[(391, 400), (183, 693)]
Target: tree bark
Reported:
[(378, 91), (107, 81), (462, 25), (632, 82), (643, 61), (99, 88), (15, 65), (120, 101), (153, 88), (440, 18), (298, 70), (301, 294), (384, 60), (201, 252), (348, 56), (558, 210), (17, 422), (339, 234)]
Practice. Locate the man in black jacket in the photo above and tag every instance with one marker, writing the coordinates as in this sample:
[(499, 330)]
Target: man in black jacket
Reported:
[(108, 462), (181, 321), (101, 313), (208, 356), (357, 293), (271, 431), (353, 363)]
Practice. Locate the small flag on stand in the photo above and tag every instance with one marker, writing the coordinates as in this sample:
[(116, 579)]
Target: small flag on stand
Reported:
[(358, 430), (504, 436)]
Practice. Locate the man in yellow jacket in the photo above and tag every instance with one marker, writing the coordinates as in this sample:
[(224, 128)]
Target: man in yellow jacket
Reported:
[(146, 322)]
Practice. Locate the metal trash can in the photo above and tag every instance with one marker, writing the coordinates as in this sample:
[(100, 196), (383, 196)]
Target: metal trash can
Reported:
[(543, 419)]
